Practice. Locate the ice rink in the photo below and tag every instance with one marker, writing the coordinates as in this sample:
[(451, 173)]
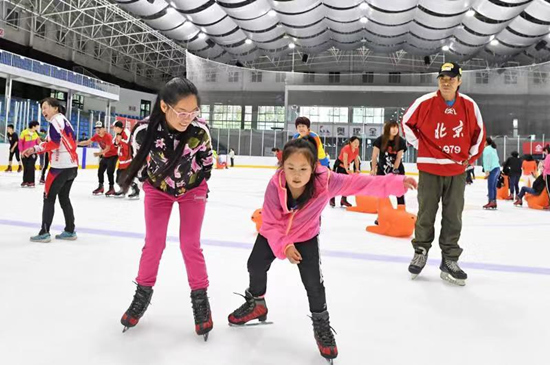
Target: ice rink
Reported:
[(61, 302)]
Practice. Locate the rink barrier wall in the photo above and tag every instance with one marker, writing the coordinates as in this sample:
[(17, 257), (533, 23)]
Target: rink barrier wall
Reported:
[(87, 160)]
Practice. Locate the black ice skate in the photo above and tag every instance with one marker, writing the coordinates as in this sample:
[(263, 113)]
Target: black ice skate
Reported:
[(201, 313), (253, 308), (324, 336), (135, 193), (142, 299), (451, 272), (418, 262)]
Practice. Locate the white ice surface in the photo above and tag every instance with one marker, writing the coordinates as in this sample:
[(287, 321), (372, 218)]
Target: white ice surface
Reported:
[(61, 303)]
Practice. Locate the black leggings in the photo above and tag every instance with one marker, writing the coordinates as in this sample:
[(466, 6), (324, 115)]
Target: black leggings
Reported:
[(29, 165), (46, 165), (548, 185), (339, 169), (260, 261), (59, 183), (16, 154), (109, 164)]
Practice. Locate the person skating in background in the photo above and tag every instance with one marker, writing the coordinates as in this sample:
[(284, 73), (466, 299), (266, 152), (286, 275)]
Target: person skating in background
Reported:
[(512, 169), (277, 153), (44, 157), (13, 140), (470, 174), (28, 139), (491, 166), (447, 129), (294, 200), (108, 157), (173, 158), (387, 154), (529, 169), (303, 125), (122, 144), (536, 189), (232, 157), (61, 145), (348, 154)]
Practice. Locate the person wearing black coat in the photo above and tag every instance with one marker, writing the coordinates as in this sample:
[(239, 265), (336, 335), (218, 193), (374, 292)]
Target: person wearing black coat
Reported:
[(512, 168)]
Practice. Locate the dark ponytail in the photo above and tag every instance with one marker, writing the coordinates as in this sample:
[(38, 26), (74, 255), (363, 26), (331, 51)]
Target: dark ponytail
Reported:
[(54, 103), (308, 147), (491, 143), (171, 93)]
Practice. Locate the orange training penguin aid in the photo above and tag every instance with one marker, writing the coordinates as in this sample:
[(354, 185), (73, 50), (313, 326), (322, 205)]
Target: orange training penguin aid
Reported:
[(257, 218), (393, 222), (504, 192), (537, 201), (365, 204)]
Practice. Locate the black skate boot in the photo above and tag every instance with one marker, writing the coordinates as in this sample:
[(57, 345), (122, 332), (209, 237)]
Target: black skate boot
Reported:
[(135, 193), (253, 308), (99, 190), (201, 313), (418, 262), (324, 336), (332, 202), (344, 202), (451, 272), (120, 194), (142, 299)]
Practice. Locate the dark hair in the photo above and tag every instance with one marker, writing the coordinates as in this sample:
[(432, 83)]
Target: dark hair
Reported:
[(11, 126), (303, 120), (490, 142), (54, 103), (275, 149), (353, 139), (547, 148), (33, 123), (171, 93), (528, 157), (119, 125), (386, 135), (308, 147), (515, 154)]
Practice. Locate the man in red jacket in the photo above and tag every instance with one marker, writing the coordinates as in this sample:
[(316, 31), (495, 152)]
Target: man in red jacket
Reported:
[(447, 129)]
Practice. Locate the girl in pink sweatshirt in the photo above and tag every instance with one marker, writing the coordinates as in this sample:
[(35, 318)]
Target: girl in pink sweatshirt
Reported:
[(294, 200)]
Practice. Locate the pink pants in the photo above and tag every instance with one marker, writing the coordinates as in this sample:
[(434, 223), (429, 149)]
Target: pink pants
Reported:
[(158, 206)]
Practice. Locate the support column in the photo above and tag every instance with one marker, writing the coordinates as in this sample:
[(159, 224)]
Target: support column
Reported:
[(8, 105), (70, 94)]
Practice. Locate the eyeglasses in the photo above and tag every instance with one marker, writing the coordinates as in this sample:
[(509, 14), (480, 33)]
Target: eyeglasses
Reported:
[(186, 115)]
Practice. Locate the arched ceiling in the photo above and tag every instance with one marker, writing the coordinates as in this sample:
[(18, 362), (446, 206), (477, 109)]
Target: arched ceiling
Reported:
[(244, 30)]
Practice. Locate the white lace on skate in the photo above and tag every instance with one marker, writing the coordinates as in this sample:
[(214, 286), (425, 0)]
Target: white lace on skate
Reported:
[(419, 260)]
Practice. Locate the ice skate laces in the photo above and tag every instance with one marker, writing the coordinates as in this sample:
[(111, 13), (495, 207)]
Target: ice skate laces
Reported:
[(247, 306), (324, 331), (199, 301), (419, 260), (453, 266), (140, 302)]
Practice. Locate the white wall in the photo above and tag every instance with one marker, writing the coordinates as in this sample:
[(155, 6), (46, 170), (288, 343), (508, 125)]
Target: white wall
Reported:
[(129, 99)]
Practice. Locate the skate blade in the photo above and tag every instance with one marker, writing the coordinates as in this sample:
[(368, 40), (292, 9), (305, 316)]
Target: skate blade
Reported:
[(250, 324), (125, 329), (134, 198), (206, 336), (414, 276), (448, 278)]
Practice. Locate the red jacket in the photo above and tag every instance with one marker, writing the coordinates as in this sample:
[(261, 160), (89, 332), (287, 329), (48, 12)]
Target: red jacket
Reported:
[(444, 136), (123, 148)]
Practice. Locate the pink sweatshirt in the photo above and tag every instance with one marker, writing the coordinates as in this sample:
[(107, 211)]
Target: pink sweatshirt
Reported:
[(282, 227), (546, 166)]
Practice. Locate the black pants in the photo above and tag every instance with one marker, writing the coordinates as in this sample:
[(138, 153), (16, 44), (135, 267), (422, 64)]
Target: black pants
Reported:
[(339, 169), (470, 176), (548, 184), (46, 165), (109, 164), (232, 162), (514, 184), (16, 154), (59, 183), (260, 261), (29, 165)]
